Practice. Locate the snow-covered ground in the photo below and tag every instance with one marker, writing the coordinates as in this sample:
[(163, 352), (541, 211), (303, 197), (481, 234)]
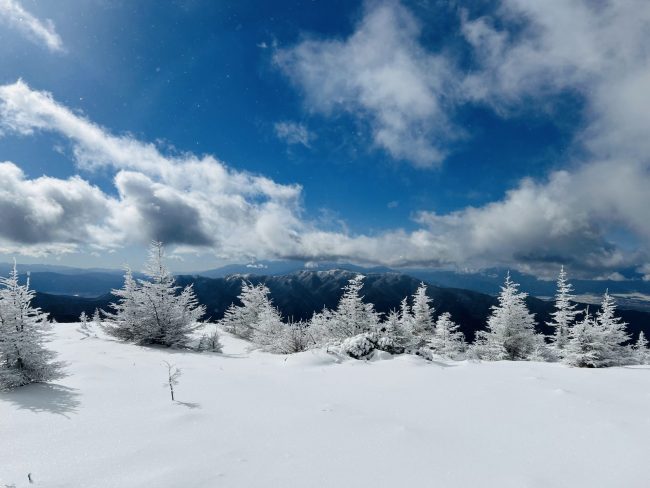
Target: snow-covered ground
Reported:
[(248, 419)]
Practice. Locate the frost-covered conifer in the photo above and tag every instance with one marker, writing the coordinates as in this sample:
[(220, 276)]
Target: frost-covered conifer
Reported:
[(641, 351), (155, 311), (447, 341), (392, 336), (24, 358), (510, 329), (295, 337), (422, 322), (586, 345), (614, 333), (564, 315), (123, 322), (352, 316), (240, 320)]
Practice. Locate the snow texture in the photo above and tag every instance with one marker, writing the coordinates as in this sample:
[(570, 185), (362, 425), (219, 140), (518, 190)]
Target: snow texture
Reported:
[(250, 418)]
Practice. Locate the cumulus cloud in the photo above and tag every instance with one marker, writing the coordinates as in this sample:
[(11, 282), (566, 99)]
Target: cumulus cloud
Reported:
[(191, 201), (575, 216), (41, 31), (293, 133), (53, 214), (383, 75)]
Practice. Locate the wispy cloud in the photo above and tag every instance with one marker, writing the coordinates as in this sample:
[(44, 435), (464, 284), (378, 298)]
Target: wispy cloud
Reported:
[(293, 133), (41, 31)]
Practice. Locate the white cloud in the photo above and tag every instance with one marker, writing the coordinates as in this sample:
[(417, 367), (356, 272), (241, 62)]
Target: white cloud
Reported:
[(572, 216), (43, 32), (381, 74), (293, 133)]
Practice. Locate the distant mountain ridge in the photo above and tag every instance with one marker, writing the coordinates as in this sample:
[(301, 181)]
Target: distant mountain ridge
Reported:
[(298, 295)]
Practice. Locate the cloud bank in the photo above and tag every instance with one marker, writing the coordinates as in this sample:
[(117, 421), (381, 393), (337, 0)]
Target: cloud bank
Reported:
[(590, 216)]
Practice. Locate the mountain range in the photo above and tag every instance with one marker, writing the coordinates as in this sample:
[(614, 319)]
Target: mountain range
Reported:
[(299, 294)]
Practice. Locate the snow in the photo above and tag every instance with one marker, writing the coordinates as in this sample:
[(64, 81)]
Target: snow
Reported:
[(247, 418)]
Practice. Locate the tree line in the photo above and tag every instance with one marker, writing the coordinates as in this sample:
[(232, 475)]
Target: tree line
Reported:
[(156, 311)]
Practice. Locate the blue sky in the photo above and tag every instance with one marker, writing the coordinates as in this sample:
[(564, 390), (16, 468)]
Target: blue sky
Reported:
[(445, 134)]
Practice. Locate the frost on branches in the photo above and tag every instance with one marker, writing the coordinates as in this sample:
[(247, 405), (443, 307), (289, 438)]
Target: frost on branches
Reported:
[(564, 315), (447, 341), (154, 311), (510, 328), (24, 358)]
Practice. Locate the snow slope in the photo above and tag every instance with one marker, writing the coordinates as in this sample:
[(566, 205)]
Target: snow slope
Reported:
[(249, 419)]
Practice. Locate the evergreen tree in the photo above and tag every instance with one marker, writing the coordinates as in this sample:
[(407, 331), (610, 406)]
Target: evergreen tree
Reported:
[(586, 345), (24, 358), (352, 316), (240, 320), (614, 333), (447, 341), (422, 323), (564, 315), (155, 311), (641, 351), (510, 329), (392, 336), (125, 318)]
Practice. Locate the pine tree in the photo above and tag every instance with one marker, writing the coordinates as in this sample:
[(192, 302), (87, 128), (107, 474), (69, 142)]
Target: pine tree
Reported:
[(614, 333), (268, 329), (241, 320), (125, 318), (422, 323), (392, 336), (24, 358), (352, 316), (155, 311), (447, 341), (565, 313), (510, 329), (586, 345), (641, 351)]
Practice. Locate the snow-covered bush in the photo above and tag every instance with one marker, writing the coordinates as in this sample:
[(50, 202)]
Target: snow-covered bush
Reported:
[(154, 311), (24, 358), (210, 341), (359, 346)]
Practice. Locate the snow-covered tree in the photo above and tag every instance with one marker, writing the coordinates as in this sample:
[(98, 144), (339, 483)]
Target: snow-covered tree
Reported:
[(258, 320), (393, 337), (123, 322), (295, 337), (586, 346), (84, 327), (447, 341), (422, 313), (352, 316), (510, 328), (173, 374), (268, 330), (24, 358), (156, 310), (614, 333), (240, 320), (564, 315), (641, 351)]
